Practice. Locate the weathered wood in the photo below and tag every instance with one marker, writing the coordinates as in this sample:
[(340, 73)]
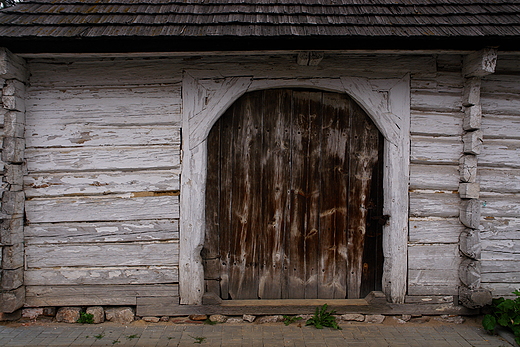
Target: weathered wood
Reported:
[(96, 183), (90, 255), (500, 224), (470, 244), (500, 153), (469, 190), (428, 299), (433, 290), (94, 295), (435, 230), (14, 124), (502, 289), (12, 256), (86, 135), (500, 249), (434, 256), (439, 204), (13, 103), (434, 177), (469, 273), (501, 126), (472, 118), (501, 205), (471, 96), (432, 277), (435, 150), (472, 142), (436, 123), (474, 298), (11, 279), (470, 212), (102, 232), (12, 300), (480, 63), (102, 158), (133, 206), (11, 231), (499, 104), (428, 101), (13, 204), (12, 66), (107, 275), (14, 87), (468, 168), (13, 150)]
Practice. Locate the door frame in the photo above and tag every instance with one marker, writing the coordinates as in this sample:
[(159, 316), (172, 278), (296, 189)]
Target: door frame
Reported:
[(387, 103)]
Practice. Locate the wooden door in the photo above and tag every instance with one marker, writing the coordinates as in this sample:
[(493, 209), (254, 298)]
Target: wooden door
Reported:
[(293, 195)]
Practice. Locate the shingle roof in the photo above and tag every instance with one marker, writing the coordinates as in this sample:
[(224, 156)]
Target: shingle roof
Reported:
[(432, 19)]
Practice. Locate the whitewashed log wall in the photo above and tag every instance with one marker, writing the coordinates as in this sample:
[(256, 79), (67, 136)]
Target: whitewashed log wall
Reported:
[(103, 166), (102, 182), (499, 174)]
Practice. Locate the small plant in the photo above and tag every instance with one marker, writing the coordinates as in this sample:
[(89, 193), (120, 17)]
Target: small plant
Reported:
[(115, 341), (99, 336), (290, 319), (506, 312), (86, 318), (322, 318), (209, 322), (198, 339), (134, 336)]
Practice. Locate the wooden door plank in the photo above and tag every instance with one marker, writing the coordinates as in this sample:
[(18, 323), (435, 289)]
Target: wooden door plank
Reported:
[(275, 178), (334, 185), (363, 155), (245, 208)]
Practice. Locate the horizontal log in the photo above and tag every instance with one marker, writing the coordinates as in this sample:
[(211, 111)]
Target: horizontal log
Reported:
[(498, 235), (95, 295), (509, 248), (429, 230), (102, 158), (504, 205), (433, 290), (499, 180), (439, 124), (501, 126), (500, 153), (500, 103), (433, 277), (93, 74), (434, 177), (445, 82), (436, 150), (94, 183), (133, 206), (500, 224), (437, 102), (438, 204), (434, 256), (102, 232), (501, 277), (83, 135), (502, 289), (500, 83), (109, 275), (428, 299), (499, 266), (12, 66), (118, 105), (92, 255)]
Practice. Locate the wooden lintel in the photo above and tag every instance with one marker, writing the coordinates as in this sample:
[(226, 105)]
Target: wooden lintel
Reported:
[(309, 58), (480, 63)]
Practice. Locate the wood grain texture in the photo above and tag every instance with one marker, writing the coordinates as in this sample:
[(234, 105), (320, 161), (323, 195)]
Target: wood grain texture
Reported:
[(103, 275), (94, 295), (434, 177), (97, 183), (102, 232), (435, 150), (94, 255), (434, 256), (438, 204), (102, 208), (436, 123), (102, 158), (435, 230)]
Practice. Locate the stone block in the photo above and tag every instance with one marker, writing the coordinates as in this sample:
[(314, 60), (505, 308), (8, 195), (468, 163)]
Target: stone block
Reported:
[(151, 319), (248, 318), (269, 319), (68, 314), (12, 300), (352, 317), (122, 315), (450, 319), (98, 314), (32, 313), (198, 317), (374, 318), (218, 318), (12, 279), (234, 320)]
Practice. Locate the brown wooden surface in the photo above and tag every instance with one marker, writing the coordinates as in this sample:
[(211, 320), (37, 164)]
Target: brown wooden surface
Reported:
[(289, 192)]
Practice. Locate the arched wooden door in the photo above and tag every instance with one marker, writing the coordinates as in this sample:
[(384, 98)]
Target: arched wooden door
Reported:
[(293, 198)]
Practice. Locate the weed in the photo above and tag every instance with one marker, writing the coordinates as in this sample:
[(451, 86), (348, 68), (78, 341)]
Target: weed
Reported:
[(290, 319), (198, 339), (134, 336), (115, 341), (99, 336), (322, 318), (209, 322), (506, 312), (86, 318)]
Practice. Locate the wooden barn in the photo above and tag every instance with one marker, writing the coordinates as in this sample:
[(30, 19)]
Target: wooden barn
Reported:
[(184, 156)]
